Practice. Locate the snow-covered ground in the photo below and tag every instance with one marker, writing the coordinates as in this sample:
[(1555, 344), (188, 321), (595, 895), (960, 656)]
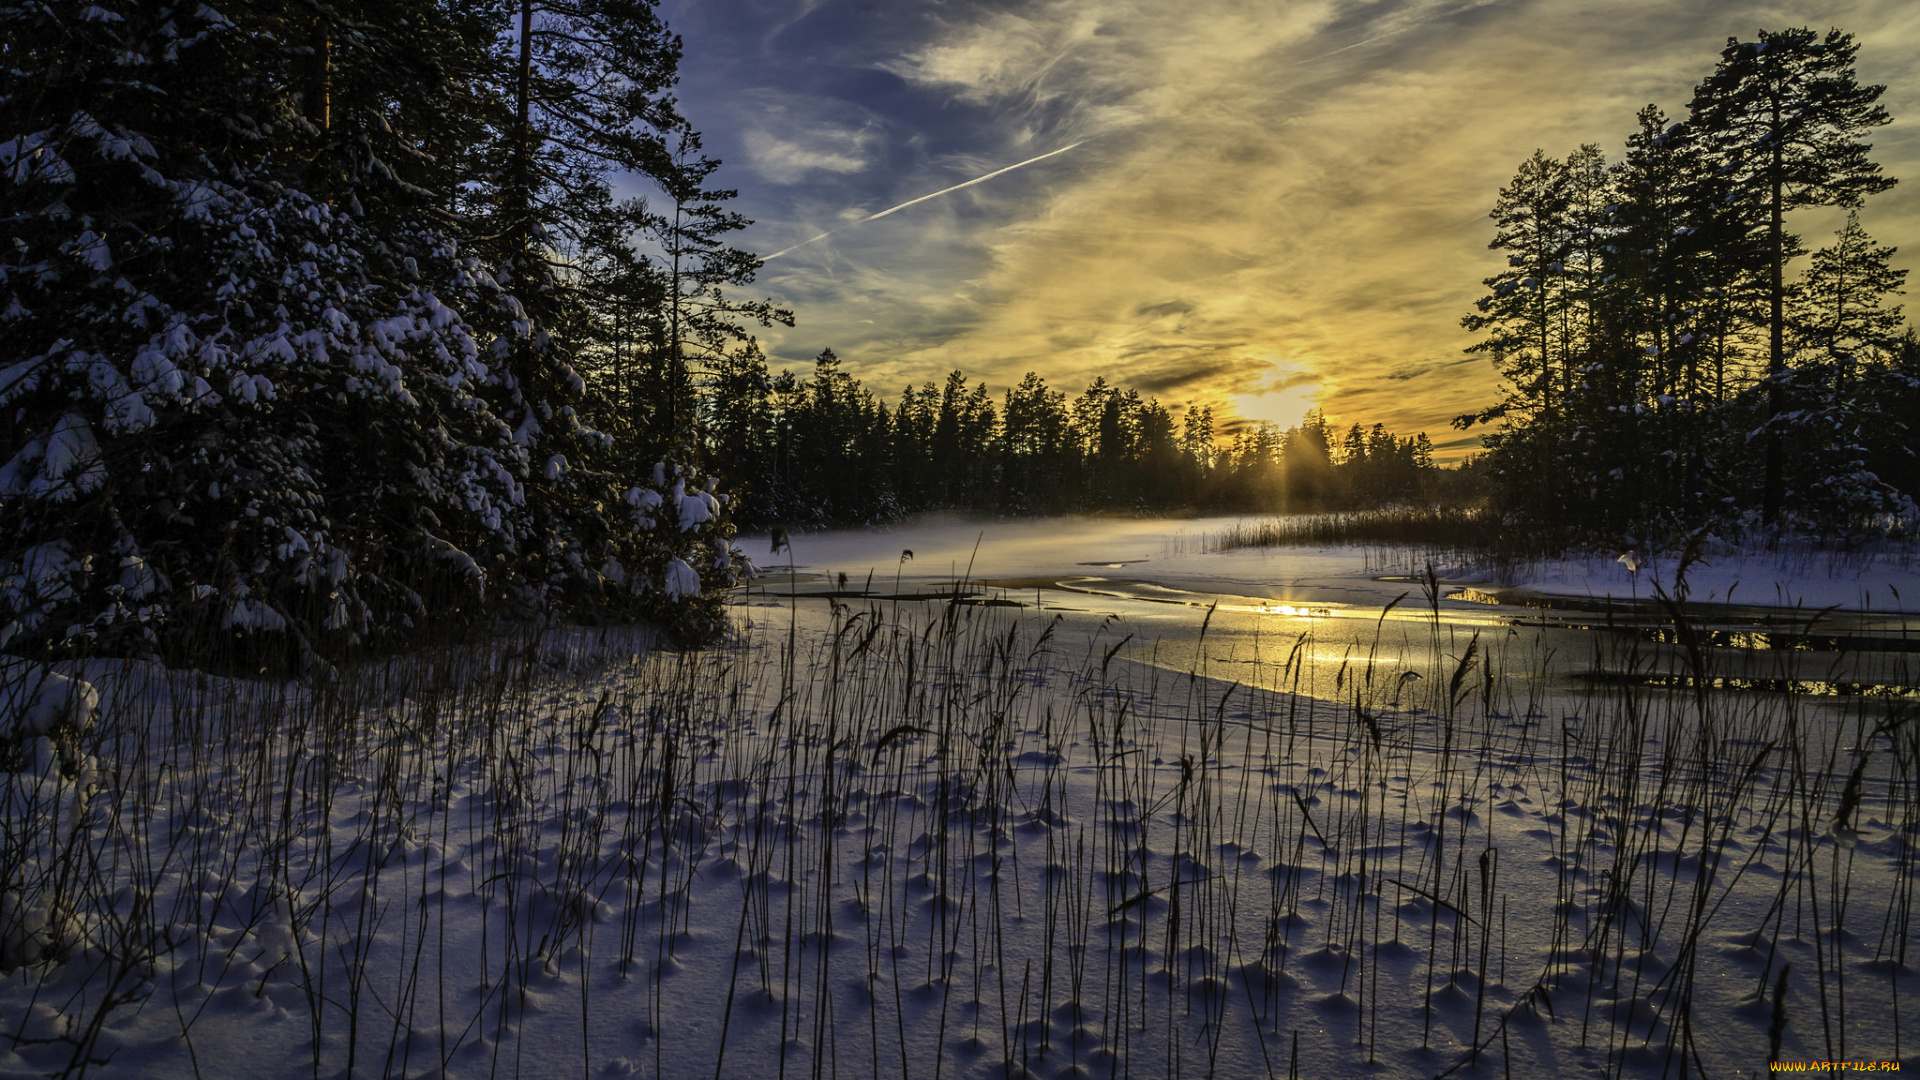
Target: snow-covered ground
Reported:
[(889, 838), (1804, 578)]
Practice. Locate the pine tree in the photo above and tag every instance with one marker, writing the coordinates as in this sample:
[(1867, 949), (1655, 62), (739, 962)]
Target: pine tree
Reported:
[(1785, 116), (1197, 439), (1672, 362), (701, 320), (1526, 307), (1837, 314), (589, 83), (1036, 446), (742, 436), (210, 355), (1307, 461), (1845, 336)]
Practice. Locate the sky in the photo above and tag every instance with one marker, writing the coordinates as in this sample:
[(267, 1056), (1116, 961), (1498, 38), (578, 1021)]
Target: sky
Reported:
[(1267, 207)]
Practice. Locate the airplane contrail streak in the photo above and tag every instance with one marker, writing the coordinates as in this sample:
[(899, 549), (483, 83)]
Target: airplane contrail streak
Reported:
[(924, 198)]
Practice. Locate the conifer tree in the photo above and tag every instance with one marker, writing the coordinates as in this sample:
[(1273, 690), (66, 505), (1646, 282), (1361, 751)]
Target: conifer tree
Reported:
[(1036, 446), (1524, 311), (1197, 439), (701, 320), (1838, 316), (1785, 115), (1845, 335), (205, 357), (1307, 459), (1640, 389)]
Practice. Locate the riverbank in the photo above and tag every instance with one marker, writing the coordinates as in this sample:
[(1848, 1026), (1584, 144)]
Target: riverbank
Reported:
[(1794, 577)]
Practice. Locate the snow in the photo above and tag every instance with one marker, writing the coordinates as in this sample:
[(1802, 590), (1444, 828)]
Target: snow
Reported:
[(20, 146), (1173, 554), (137, 579), (1180, 555), (468, 566), (681, 580), (36, 701), (44, 575), (19, 470), (154, 370), (91, 248), (72, 463), (1798, 577), (250, 614), (1185, 814), (694, 508), (127, 408)]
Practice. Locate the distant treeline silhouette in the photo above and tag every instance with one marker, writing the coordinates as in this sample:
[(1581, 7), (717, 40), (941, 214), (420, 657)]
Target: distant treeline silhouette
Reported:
[(826, 450)]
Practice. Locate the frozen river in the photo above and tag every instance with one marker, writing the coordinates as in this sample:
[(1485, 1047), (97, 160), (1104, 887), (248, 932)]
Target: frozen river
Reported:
[(1828, 627)]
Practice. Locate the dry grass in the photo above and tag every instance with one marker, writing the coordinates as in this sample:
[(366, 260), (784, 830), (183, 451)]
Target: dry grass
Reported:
[(934, 840), (1422, 528)]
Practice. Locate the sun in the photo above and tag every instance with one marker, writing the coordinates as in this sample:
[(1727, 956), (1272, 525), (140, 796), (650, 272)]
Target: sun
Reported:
[(1286, 395)]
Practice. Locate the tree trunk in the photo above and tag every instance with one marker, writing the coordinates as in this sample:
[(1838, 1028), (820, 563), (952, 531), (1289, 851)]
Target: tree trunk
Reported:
[(319, 93), (520, 194), (1777, 348), (673, 331)]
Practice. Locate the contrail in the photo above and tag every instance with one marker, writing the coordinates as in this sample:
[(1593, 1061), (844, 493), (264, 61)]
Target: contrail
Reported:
[(924, 198), (1404, 27)]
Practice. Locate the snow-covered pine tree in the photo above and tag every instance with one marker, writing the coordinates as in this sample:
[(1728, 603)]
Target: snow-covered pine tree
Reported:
[(587, 82), (242, 391)]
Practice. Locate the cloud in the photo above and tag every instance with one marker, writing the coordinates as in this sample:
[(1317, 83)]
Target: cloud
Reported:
[(789, 136), (1002, 56), (789, 160), (1196, 372)]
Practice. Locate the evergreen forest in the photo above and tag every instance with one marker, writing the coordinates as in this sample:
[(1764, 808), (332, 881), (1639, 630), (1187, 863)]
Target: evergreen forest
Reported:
[(302, 301), (827, 450)]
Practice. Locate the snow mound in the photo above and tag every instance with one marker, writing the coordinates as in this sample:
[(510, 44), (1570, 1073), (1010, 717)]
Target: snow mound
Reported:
[(35, 700)]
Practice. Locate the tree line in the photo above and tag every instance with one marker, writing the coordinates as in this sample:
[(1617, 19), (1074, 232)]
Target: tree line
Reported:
[(1663, 372), (827, 450)]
